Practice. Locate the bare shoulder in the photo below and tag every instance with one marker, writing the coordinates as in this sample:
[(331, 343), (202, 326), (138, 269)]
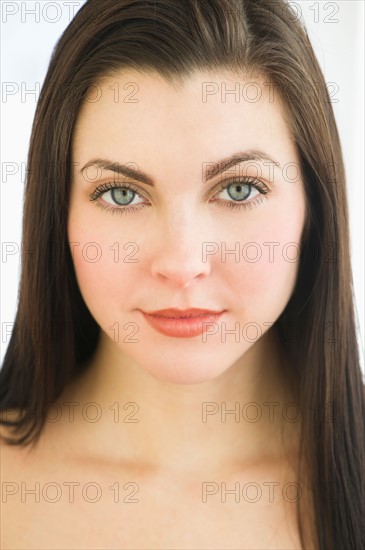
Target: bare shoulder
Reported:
[(6, 430), (12, 455), (14, 475)]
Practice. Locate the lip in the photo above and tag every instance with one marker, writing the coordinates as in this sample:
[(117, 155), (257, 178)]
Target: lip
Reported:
[(179, 323), (179, 313)]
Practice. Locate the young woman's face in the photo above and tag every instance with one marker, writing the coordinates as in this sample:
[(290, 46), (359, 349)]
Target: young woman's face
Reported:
[(225, 241)]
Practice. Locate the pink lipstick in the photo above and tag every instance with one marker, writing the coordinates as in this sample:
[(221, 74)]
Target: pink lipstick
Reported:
[(182, 323)]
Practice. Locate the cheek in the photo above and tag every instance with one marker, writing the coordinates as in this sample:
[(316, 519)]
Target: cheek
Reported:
[(265, 276), (268, 280), (105, 271)]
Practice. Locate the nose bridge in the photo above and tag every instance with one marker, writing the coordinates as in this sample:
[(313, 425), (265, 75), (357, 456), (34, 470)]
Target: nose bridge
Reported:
[(178, 254), (182, 222)]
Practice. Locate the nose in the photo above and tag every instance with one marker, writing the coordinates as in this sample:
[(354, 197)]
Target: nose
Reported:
[(178, 257)]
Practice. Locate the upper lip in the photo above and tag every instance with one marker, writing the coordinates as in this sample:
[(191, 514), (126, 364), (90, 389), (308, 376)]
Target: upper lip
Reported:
[(192, 312)]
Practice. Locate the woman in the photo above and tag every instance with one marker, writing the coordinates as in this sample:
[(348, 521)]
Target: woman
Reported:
[(203, 346)]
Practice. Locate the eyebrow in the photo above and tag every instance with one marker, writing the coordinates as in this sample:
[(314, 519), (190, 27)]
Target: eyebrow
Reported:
[(212, 170)]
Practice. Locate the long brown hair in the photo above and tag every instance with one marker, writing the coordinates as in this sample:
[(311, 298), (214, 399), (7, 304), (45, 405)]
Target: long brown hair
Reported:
[(54, 333)]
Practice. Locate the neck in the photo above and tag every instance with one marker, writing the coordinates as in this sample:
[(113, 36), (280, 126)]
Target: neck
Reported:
[(233, 420)]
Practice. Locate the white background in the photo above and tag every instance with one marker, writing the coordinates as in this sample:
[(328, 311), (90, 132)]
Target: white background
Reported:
[(30, 31)]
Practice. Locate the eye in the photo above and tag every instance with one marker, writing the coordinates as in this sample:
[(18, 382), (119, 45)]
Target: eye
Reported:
[(122, 196), (238, 192), (118, 197)]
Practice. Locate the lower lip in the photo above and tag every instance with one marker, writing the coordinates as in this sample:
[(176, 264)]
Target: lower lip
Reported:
[(187, 327)]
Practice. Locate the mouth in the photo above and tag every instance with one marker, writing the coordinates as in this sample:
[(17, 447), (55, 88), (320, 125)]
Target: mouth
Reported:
[(182, 323), (172, 313)]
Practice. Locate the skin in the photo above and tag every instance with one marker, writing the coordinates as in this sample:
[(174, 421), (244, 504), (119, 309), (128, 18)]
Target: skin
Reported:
[(170, 452), (169, 134)]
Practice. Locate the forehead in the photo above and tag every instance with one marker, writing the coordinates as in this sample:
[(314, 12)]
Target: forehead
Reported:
[(134, 114)]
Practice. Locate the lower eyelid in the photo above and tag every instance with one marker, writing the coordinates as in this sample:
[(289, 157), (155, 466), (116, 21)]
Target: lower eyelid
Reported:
[(246, 204)]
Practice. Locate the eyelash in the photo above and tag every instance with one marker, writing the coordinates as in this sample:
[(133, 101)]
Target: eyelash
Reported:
[(252, 182)]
